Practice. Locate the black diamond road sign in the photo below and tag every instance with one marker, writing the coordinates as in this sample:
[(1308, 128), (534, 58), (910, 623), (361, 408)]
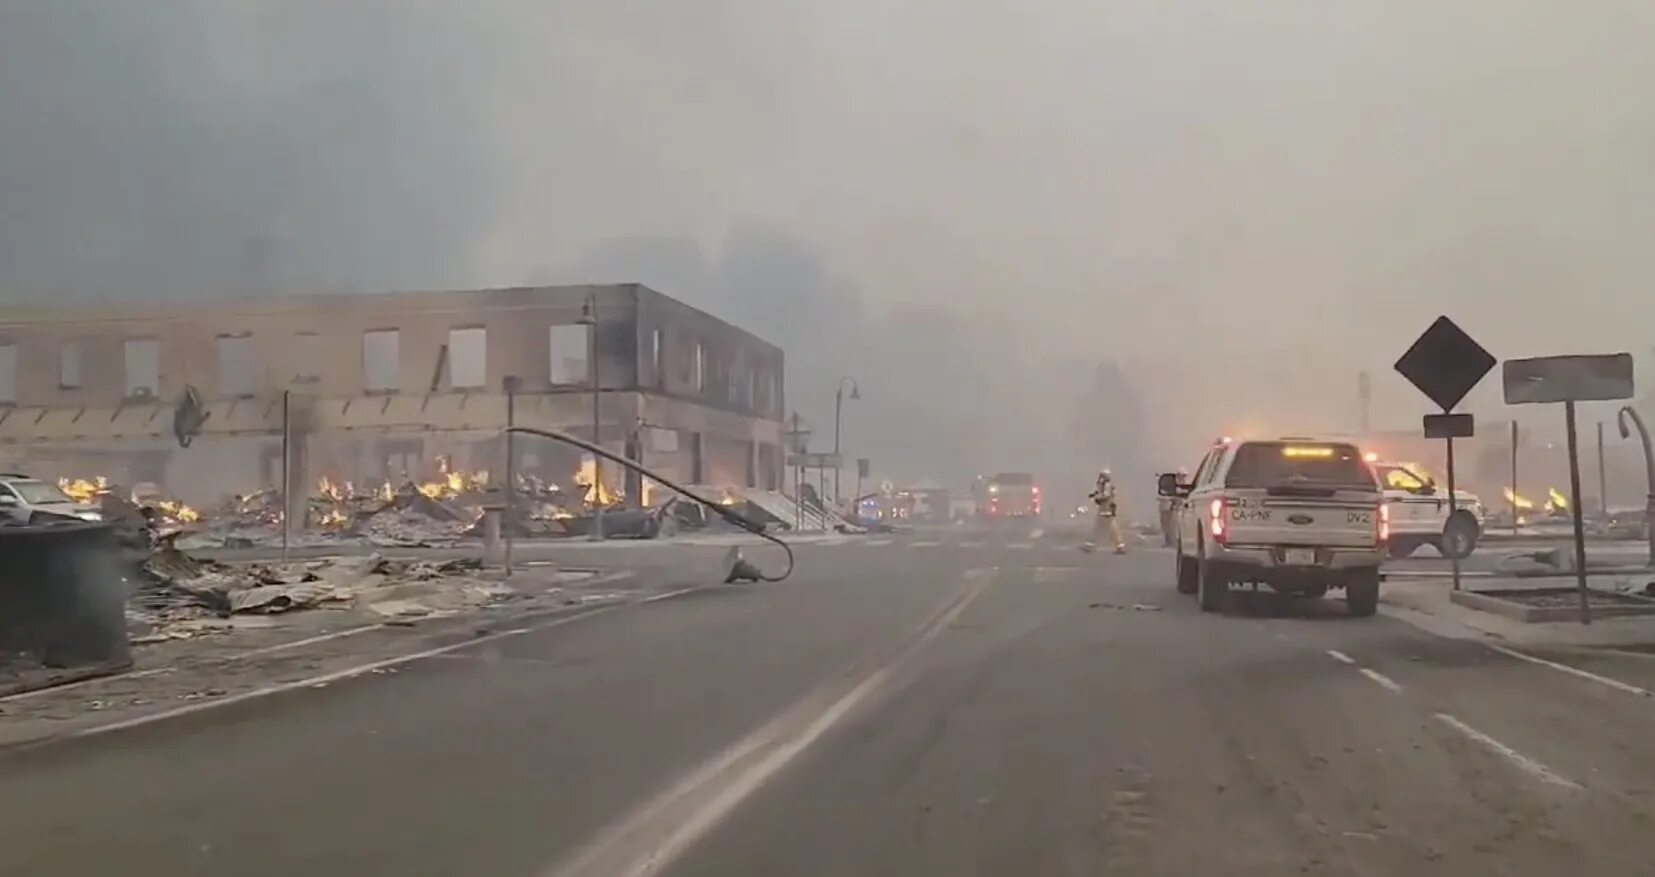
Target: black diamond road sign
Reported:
[(1445, 363)]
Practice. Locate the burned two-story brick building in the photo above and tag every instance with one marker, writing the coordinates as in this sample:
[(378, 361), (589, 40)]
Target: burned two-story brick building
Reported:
[(383, 386)]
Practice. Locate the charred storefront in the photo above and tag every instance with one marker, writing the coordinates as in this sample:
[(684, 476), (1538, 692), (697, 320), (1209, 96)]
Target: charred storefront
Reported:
[(362, 396)]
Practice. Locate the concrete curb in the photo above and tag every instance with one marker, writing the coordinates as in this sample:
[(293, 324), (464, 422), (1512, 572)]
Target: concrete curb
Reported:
[(1491, 602), (49, 678)]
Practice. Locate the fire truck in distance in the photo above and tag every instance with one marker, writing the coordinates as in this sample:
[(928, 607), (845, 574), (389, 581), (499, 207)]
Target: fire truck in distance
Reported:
[(1009, 496)]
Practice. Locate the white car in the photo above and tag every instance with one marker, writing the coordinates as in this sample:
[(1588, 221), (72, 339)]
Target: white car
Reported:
[(25, 500), (1420, 515), (1297, 515)]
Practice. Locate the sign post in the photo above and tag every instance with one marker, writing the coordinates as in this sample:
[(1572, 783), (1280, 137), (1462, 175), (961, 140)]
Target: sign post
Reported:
[(1445, 363), (1515, 512), (1449, 427), (1571, 379), (863, 468)]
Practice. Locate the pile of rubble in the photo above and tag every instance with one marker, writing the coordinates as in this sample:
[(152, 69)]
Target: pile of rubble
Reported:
[(414, 515), (181, 596)]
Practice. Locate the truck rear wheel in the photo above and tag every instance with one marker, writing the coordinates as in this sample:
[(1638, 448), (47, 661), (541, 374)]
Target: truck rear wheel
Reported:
[(1189, 574), (1362, 593), (1214, 586)]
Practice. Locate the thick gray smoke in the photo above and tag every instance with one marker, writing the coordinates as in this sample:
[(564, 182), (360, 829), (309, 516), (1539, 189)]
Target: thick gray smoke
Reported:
[(944, 396), (211, 149), (974, 207)]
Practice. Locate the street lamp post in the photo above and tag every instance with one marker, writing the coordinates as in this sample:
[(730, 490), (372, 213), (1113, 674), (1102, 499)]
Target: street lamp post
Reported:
[(589, 317), (1627, 412), (838, 409)]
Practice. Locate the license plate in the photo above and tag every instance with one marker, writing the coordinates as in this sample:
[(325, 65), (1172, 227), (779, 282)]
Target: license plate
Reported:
[(1301, 556)]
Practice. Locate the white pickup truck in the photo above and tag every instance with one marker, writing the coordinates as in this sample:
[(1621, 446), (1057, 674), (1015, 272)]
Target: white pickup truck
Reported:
[(1420, 514), (1297, 515)]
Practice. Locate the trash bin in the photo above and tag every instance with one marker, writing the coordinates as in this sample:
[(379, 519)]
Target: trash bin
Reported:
[(62, 595)]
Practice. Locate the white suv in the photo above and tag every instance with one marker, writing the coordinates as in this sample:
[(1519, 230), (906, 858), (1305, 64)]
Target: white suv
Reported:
[(1297, 515), (1419, 513)]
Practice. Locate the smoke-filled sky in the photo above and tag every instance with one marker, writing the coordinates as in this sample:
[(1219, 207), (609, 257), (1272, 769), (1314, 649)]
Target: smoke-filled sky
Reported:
[(1242, 203)]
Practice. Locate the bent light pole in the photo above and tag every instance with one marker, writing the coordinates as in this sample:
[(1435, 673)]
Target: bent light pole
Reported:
[(1627, 412), (838, 410)]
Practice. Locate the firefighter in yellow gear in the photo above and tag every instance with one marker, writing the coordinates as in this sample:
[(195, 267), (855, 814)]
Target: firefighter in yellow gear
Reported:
[(1106, 527)]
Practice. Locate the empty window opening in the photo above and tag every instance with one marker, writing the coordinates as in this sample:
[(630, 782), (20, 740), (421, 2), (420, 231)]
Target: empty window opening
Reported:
[(381, 364), (142, 361), (8, 374), (68, 365), (237, 369), (307, 353), (570, 354), (468, 357)]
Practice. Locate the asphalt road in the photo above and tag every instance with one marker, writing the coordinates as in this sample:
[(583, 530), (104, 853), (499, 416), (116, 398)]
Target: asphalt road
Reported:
[(917, 706)]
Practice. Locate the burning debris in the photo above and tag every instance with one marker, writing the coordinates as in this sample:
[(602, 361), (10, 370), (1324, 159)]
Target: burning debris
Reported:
[(454, 485), (144, 498), (1556, 504), (438, 511), (82, 490), (594, 492)]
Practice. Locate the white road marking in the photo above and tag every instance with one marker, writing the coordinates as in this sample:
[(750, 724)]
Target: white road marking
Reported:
[(656, 598), (307, 641), (1019, 546), (1438, 574), (1574, 671), (1384, 681), (1341, 657), (1523, 762), (971, 543), (880, 542), (360, 669), (652, 837), (925, 544), (1036, 533)]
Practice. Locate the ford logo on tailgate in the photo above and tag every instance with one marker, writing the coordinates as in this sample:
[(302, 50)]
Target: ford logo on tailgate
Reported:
[(1300, 519)]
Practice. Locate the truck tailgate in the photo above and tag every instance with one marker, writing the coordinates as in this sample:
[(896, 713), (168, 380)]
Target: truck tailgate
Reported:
[(1333, 518)]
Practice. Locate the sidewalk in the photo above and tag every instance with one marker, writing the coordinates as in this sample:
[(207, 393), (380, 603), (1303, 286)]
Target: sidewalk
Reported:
[(1425, 602), (244, 656)]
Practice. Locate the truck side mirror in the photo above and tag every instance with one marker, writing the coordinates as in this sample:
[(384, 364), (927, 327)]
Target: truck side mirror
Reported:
[(1166, 484)]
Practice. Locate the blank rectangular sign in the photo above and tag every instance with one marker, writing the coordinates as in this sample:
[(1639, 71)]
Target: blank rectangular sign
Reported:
[(1449, 426), (1603, 378)]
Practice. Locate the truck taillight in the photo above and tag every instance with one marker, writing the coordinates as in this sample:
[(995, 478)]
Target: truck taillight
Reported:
[(1216, 516), (1384, 523)]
